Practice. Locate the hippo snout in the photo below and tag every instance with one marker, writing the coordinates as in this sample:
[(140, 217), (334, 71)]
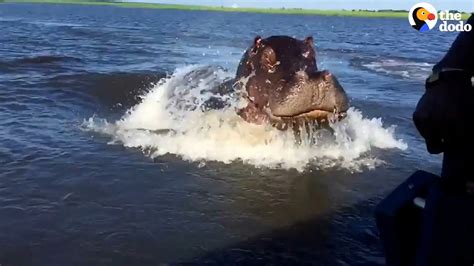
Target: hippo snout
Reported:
[(317, 96), (336, 99)]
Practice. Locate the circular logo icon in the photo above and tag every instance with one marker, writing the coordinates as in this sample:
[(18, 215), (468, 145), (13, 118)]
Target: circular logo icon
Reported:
[(423, 17)]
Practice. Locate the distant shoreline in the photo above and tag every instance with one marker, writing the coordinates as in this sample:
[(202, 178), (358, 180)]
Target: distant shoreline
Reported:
[(289, 11)]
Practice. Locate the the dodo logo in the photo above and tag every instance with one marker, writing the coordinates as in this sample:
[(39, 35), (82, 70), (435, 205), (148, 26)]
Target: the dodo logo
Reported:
[(423, 17)]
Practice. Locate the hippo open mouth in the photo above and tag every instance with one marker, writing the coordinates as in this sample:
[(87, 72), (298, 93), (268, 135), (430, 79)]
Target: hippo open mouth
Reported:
[(283, 83)]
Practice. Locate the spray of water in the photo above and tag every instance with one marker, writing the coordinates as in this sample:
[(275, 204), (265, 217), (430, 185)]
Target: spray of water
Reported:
[(170, 120)]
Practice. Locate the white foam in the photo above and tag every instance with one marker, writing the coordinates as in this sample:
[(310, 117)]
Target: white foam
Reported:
[(403, 68), (168, 122), (56, 24)]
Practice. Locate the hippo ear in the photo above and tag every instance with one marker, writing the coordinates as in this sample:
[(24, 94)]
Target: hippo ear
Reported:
[(309, 51), (327, 75), (258, 42), (309, 41)]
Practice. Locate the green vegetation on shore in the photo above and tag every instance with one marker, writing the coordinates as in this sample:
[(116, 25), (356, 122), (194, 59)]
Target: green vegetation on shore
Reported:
[(295, 11)]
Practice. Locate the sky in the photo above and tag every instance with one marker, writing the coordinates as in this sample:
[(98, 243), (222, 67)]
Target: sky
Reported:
[(462, 5)]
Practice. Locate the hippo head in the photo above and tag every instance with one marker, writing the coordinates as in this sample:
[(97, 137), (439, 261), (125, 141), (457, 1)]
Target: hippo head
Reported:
[(283, 83)]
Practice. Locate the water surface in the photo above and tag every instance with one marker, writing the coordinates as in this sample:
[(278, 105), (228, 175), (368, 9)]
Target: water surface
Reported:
[(98, 166)]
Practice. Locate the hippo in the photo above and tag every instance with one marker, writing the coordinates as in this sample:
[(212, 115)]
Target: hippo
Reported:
[(283, 86)]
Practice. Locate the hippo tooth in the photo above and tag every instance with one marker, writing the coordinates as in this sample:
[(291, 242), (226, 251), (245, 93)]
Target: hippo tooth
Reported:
[(268, 81)]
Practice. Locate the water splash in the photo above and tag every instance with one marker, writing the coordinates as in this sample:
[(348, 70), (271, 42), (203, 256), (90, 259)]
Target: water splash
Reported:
[(170, 120)]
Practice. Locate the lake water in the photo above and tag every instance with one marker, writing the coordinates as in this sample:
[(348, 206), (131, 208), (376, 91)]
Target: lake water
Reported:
[(98, 166)]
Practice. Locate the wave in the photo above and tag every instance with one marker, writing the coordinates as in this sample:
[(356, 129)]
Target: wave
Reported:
[(43, 59), (112, 91), (399, 67), (4, 19), (56, 24), (168, 120), (11, 65)]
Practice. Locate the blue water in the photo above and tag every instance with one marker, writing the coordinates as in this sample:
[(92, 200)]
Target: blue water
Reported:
[(70, 196)]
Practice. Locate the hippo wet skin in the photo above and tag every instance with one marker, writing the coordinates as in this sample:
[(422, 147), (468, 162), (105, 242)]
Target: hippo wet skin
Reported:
[(282, 84)]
